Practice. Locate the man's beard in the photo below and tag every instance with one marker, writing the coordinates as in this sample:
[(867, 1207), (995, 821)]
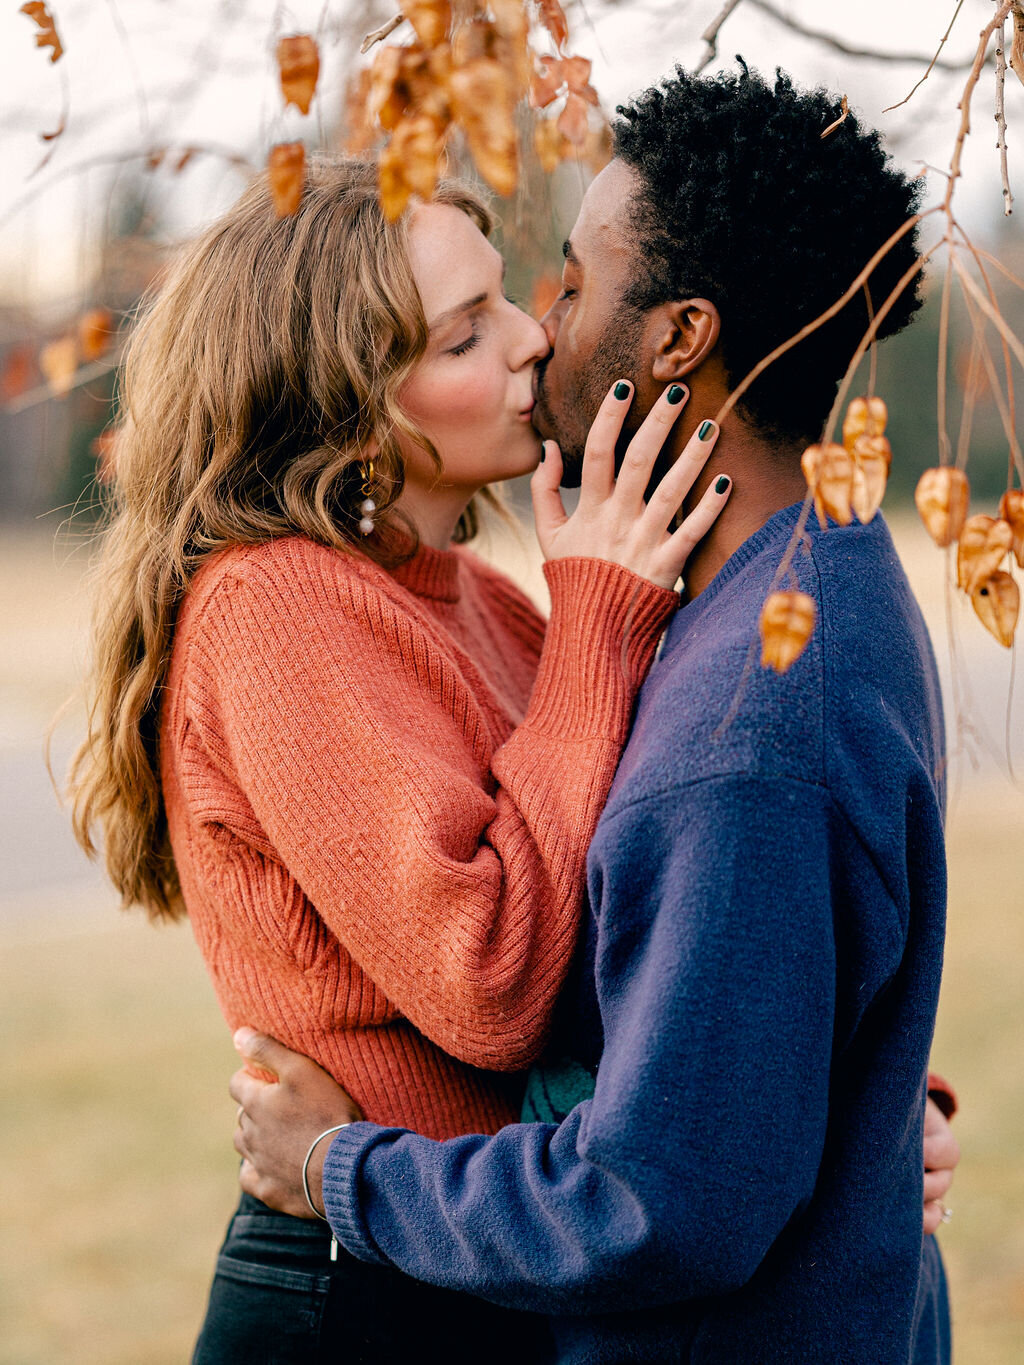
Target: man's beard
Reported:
[(615, 356)]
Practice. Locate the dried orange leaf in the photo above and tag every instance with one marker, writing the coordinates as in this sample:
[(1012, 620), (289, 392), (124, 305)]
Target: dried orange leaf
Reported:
[(864, 417), (286, 168), (828, 470), (984, 544), (298, 61), (419, 142), (409, 81), (997, 602), (95, 332), (572, 121), (395, 190), (1017, 45), (430, 18), (552, 16), (59, 362), (47, 35), (545, 82), (787, 623), (598, 148), (550, 144), (872, 456), (942, 497), (483, 102), (1011, 509)]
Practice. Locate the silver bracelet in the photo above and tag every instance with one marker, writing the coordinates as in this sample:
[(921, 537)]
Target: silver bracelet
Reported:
[(305, 1169)]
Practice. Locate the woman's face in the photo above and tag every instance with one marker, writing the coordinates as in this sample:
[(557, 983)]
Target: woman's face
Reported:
[(472, 391)]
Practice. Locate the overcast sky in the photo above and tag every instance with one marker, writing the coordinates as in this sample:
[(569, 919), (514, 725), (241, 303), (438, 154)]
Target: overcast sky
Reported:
[(207, 72)]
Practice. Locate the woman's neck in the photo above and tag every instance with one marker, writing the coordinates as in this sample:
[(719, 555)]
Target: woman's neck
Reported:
[(435, 512)]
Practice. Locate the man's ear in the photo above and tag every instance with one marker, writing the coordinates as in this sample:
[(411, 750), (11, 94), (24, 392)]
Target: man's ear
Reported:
[(686, 334)]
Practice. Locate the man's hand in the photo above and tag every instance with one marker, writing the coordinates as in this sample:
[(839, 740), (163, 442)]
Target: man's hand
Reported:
[(279, 1119), (941, 1153)]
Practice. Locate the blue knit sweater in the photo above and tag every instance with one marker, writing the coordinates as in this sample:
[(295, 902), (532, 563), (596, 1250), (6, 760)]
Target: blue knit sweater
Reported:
[(759, 983)]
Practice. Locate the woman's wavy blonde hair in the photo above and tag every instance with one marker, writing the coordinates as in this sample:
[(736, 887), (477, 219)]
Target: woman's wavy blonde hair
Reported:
[(255, 380)]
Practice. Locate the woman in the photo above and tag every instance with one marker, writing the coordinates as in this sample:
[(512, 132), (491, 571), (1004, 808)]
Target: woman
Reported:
[(349, 750)]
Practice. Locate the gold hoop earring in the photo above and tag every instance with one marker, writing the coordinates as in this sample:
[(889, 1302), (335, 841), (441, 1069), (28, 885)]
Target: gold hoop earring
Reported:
[(367, 507)]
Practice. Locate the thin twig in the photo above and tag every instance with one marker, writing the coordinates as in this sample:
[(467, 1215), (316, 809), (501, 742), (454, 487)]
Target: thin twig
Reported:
[(1004, 171), (379, 34), (1015, 450), (710, 36), (870, 335), (817, 35), (942, 366), (133, 66), (963, 443), (873, 351), (993, 381), (932, 63), (965, 99)]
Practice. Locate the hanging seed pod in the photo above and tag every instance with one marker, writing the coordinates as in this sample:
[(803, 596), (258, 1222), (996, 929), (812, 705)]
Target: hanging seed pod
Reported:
[(1011, 509), (410, 164), (298, 61), (984, 544), (942, 497), (286, 168), (864, 417), (786, 625), (572, 121), (872, 456), (997, 603), (829, 473)]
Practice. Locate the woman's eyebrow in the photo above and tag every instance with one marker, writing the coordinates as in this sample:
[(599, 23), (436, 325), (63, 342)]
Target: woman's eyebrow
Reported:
[(450, 313)]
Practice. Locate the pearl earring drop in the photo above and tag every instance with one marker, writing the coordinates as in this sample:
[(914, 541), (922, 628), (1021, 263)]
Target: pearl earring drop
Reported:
[(367, 507)]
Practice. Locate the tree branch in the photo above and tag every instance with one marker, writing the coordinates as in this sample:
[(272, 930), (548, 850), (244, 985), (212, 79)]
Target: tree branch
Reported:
[(829, 40), (710, 36), (932, 64), (1004, 171)]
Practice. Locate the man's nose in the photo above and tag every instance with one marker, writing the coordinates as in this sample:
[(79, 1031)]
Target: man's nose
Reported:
[(550, 322)]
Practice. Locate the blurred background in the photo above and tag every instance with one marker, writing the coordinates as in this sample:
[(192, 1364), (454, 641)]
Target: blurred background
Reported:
[(115, 1146)]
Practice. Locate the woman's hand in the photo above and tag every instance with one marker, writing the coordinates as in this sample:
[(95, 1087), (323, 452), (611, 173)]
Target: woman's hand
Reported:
[(279, 1119), (612, 521), (941, 1154)]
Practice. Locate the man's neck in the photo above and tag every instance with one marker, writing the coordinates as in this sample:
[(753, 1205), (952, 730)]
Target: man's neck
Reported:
[(766, 477)]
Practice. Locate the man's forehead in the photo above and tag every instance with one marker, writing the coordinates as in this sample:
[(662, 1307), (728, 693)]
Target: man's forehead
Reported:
[(602, 226)]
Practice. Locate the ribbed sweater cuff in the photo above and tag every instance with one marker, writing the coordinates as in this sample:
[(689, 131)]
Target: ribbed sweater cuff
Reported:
[(605, 626), (341, 1189)]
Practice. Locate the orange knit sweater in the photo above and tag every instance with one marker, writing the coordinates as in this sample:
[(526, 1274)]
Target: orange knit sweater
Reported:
[(380, 790)]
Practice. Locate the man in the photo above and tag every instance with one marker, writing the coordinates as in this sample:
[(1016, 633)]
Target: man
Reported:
[(759, 978)]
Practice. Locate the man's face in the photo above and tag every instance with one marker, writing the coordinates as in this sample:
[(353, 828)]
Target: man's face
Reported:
[(595, 340)]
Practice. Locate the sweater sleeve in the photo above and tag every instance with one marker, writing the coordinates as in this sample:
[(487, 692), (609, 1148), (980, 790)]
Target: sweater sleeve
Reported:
[(716, 976), (452, 878)]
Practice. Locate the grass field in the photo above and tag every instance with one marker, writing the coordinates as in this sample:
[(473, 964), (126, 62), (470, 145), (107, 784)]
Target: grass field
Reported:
[(115, 1146)]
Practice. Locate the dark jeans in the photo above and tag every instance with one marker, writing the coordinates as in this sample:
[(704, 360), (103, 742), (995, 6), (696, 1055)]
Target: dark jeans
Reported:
[(278, 1299)]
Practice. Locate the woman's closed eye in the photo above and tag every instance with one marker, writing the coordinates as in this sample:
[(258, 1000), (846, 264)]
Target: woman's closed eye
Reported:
[(466, 345)]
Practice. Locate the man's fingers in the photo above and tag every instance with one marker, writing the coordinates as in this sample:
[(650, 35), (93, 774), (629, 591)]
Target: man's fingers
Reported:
[(598, 475), (645, 447), (548, 510), (261, 1053)]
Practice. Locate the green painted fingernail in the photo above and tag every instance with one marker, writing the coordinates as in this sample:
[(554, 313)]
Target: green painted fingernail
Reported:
[(676, 393), (621, 391), (722, 484), (706, 430)]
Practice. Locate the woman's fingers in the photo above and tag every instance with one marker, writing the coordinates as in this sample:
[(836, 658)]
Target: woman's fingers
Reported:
[(645, 447), (597, 478), (681, 544), (548, 509), (670, 494)]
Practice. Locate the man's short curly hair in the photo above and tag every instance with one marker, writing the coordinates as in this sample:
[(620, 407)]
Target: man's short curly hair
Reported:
[(743, 203)]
